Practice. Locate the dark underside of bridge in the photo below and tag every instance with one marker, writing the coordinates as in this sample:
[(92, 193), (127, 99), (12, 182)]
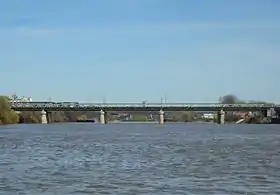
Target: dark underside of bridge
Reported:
[(275, 121), (276, 118), (140, 109)]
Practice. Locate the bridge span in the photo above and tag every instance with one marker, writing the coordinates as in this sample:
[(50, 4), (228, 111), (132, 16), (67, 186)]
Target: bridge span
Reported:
[(46, 107)]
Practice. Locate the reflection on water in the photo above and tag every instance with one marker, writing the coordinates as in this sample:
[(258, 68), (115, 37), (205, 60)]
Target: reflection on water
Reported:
[(139, 159)]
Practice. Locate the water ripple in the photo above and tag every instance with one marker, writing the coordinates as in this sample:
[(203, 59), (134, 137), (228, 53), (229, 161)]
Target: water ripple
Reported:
[(139, 159)]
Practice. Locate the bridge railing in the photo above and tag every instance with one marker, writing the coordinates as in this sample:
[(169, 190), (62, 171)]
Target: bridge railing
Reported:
[(159, 105)]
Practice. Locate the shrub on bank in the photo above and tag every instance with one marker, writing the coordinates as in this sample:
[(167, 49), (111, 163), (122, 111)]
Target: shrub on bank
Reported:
[(7, 115)]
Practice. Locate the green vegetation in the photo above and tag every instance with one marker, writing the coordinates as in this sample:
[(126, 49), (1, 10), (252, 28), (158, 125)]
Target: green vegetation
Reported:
[(82, 117), (29, 117), (57, 116), (182, 116), (138, 118), (7, 115)]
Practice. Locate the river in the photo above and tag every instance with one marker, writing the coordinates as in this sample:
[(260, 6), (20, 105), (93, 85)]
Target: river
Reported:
[(136, 159)]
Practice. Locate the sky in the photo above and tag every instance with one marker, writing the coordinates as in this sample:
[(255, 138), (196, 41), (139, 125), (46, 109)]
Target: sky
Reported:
[(135, 50)]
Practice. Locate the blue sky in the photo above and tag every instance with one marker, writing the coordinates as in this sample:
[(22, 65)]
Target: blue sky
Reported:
[(134, 50)]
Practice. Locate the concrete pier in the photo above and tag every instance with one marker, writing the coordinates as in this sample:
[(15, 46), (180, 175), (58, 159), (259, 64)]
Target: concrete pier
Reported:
[(44, 119), (271, 113), (222, 117), (161, 117), (102, 117)]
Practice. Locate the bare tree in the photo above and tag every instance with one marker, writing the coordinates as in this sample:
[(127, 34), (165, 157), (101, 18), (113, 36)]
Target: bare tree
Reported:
[(228, 99)]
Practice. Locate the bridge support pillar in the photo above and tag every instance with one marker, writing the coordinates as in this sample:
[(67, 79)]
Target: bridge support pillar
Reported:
[(221, 117), (102, 117), (270, 112), (161, 117), (44, 119)]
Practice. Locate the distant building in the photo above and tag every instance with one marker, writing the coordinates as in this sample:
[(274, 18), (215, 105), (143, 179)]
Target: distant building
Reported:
[(15, 98)]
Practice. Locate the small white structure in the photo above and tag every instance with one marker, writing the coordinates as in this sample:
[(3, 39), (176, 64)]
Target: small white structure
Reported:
[(161, 117), (102, 117), (208, 115), (44, 119)]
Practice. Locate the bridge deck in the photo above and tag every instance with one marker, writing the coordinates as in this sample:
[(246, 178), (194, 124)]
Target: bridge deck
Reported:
[(33, 106)]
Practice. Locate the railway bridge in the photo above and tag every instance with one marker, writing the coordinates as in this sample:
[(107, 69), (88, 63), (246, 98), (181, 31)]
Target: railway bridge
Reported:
[(47, 107)]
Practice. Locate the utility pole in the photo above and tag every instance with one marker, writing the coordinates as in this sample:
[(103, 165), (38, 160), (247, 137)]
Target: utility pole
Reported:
[(161, 101), (144, 103), (14, 97), (104, 100), (165, 100)]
